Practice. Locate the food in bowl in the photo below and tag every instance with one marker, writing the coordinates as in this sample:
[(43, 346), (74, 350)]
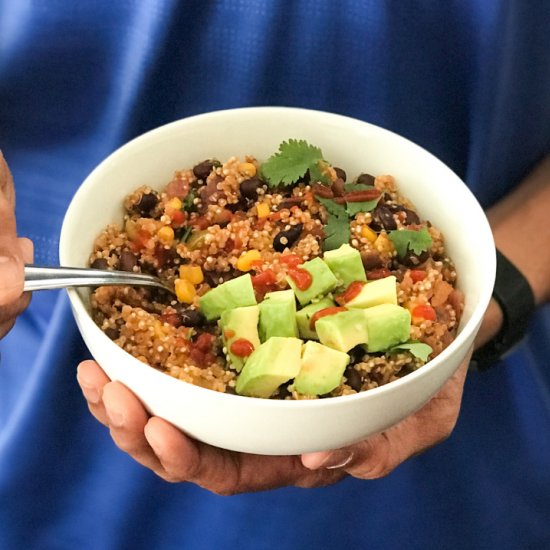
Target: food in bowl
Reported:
[(290, 281)]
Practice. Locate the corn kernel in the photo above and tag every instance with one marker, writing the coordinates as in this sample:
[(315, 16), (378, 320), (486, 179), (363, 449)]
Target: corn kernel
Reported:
[(247, 169), (244, 263), (175, 203), (191, 273), (368, 233), (185, 291), (166, 234), (263, 210)]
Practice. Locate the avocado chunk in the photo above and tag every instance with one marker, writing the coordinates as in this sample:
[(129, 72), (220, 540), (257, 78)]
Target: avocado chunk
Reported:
[(323, 281), (387, 325), (345, 262), (240, 323), (275, 362), (304, 315), (278, 315), (229, 295), (381, 291), (343, 331), (322, 369)]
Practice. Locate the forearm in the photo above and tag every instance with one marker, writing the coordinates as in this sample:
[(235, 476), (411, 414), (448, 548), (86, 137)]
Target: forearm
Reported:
[(520, 224)]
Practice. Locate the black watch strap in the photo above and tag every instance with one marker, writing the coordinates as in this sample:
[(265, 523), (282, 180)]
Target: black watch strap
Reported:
[(513, 293)]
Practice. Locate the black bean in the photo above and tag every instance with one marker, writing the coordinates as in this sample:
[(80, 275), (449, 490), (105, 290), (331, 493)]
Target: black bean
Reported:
[(191, 317), (412, 260), (112, 332), (203, 169), (147, 203), (230, 390), (127, 261), (371, 260), (383, 215), (283, 392), (340, 173), (411, 217), (212, 278), (365, 179), (285, 239), (249, 188), (99, 263), (353, 379)]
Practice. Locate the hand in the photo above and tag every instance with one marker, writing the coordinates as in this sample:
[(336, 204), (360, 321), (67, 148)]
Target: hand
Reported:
[(14, 253), (173, 456)]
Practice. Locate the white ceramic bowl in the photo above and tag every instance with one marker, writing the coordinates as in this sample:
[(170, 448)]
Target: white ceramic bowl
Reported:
[(270, 426)]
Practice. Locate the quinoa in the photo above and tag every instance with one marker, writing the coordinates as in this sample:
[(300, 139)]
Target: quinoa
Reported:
[(207, 217)]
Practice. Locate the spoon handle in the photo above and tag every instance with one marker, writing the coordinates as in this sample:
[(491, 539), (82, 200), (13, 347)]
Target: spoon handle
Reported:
[(48, 278)]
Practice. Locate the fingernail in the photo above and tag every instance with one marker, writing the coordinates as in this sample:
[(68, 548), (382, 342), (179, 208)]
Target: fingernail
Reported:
[(116, 418), (90, 393), (337, 459)]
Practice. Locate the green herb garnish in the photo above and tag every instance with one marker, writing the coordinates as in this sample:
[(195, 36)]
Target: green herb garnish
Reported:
[(294, 159), (337, 231), (415, 241), (186, 234), (188, 203), (418, 349)]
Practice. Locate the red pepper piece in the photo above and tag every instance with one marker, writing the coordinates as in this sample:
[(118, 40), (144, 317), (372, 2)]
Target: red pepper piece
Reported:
[(424, 311), (241, 347), (353, 290), (302, 278)]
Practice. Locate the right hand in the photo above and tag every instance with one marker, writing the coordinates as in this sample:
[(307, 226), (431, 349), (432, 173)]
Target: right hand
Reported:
[(14, 253)]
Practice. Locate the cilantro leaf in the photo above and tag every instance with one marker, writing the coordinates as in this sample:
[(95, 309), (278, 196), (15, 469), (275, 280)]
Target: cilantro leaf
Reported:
[(337, 230), (294, 159), (356, 207), (418, 349), (406, 239), (186, 234), (317, 174), (188, 203)]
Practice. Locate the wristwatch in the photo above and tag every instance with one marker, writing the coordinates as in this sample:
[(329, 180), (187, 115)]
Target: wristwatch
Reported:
[(514, 295)]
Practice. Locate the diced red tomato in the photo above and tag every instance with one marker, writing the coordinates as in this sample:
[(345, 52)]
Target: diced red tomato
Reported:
[(417, 275), (171, 318), (241, 347), (353, 290), (264, 279), (424, 311), (302, 278), (178, 218), (323, 313), (198, 357), (291, 260), (200, 222), (140, 240), (204, 342)]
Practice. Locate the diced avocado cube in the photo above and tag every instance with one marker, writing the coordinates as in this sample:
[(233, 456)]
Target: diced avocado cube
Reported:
[(344, 330), (236, 324), (345, 262), (275, 362), (304, 315), (229, 295), (278, 315), (387, 325), (322, 369), (323, 281), (381, 291)]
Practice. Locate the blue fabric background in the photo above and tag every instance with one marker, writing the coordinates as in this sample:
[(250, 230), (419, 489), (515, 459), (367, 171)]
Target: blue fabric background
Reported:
[(468, 80)]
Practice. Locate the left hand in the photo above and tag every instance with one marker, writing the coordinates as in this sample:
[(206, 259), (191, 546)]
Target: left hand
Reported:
[(161, 447)]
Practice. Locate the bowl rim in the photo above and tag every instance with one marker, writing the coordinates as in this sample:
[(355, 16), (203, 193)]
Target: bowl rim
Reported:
[(465, 333)]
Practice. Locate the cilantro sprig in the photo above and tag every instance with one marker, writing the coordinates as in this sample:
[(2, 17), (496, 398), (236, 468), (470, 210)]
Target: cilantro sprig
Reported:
[(292, 162), (337, 229), (407, 239), (418, 349)]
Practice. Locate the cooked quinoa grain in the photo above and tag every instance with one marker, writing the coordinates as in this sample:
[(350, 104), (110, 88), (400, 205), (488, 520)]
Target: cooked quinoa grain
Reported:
[(216, 221)]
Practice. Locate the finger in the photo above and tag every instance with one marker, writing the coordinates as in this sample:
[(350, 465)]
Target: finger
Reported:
[(6, 182), (92, 380), (26, 246), (5, 327), (226, 472), (11, 260), (380, 454), (13, 309), (127, 419)]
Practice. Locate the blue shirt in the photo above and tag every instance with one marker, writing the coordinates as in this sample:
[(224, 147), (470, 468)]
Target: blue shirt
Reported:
[(468, 80)]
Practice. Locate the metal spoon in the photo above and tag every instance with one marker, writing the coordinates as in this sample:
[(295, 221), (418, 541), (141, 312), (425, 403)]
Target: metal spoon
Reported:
[(48, 278)]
